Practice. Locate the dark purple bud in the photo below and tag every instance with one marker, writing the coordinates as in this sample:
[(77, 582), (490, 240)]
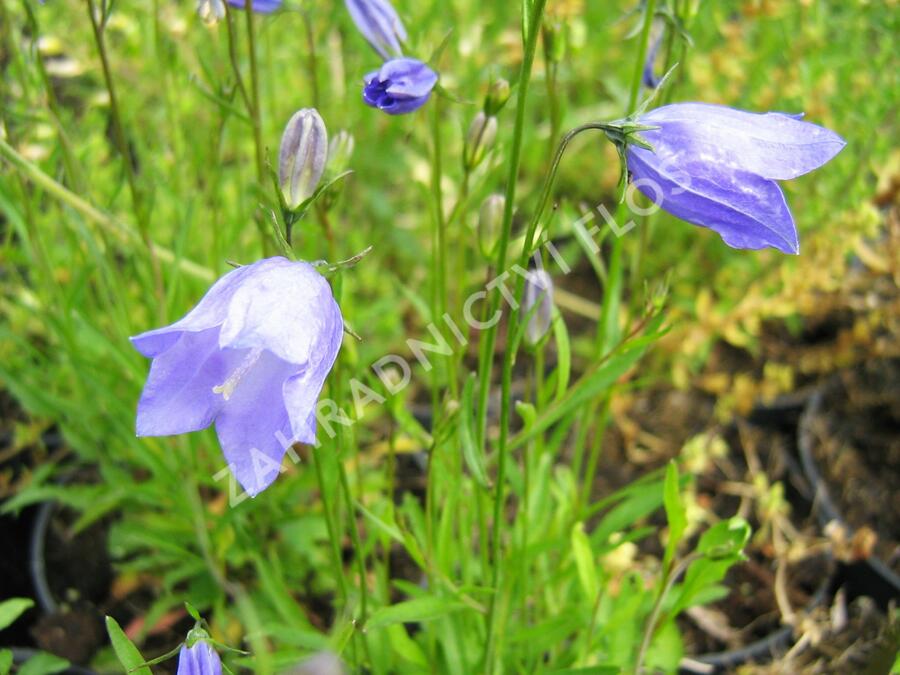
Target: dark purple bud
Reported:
[(201, 659), (400, 86), (537, 305), (716, 167), (380, 25), (261, 6), (302, 156)]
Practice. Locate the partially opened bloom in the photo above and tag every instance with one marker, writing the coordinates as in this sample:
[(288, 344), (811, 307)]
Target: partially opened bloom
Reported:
[(251, 357), (379, 24), (717, 167), (200, 659), (399, 86), (262, 6)]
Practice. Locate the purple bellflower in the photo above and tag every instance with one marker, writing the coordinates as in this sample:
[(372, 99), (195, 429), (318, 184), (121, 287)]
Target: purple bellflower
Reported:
[(379, 24), (717, 167), (251, 357), (200, 659), (261, 6), (399, 86)]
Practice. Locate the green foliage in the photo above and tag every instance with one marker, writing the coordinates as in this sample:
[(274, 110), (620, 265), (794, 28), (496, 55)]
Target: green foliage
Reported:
[(380, 544)]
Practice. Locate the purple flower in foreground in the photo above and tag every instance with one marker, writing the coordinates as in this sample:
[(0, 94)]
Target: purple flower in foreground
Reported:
[(262, 6), (201, 659), (252, 357), (717, 167), (379, 24), (399, 86)]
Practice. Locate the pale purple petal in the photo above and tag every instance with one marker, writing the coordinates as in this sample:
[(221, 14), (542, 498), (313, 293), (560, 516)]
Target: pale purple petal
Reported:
[(178, 396), (748, 211), (772, 145), (379, 24), (262, 6), (253, 425), (285, 308), (201, 659), (209, 312)]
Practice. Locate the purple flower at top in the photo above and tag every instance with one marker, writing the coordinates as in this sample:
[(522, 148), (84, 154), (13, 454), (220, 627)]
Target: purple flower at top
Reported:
[(251, 357), (379, 24), (399, 86), (261, 6), (201, 659), (717, 167)]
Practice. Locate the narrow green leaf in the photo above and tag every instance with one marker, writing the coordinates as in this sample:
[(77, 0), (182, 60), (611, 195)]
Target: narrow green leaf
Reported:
[(413, 611), (43, 663), (126, 652), (473, 454), (563, 354), (12, 609), (6, 659), (676, 514), (584, 562)]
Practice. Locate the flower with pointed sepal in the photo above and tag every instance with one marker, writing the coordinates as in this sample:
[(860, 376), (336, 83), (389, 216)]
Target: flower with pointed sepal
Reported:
[(717, 167), (379, 24), (252, 358), (399, 86), (261, 6)]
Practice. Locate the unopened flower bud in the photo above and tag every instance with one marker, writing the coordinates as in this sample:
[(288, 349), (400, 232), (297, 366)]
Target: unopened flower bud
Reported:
[(554, 32), (537, 305), (490, 220), (379, 24), (210, 11), (301, 160), (480, 138), (497, 97), (340, 149)]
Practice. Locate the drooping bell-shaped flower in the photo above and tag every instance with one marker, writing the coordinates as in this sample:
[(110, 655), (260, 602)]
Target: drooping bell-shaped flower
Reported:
[(379, 24), (717, 167), (399, 86), (302, 156), (261, 6), (537, 305), (199, 659), (251, 357)]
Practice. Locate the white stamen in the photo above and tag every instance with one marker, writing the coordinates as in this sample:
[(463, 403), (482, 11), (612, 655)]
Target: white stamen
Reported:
[(227, 388)]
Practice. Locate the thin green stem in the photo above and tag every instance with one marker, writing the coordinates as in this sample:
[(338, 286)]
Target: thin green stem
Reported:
[(331, 527), (489, 337), (254, 111)]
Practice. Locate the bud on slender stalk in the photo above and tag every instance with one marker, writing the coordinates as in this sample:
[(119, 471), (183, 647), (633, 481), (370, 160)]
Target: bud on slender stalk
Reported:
[(490, 220), (301, 160), (480, 138), (497, 97), (340, 149), (537, 305)]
